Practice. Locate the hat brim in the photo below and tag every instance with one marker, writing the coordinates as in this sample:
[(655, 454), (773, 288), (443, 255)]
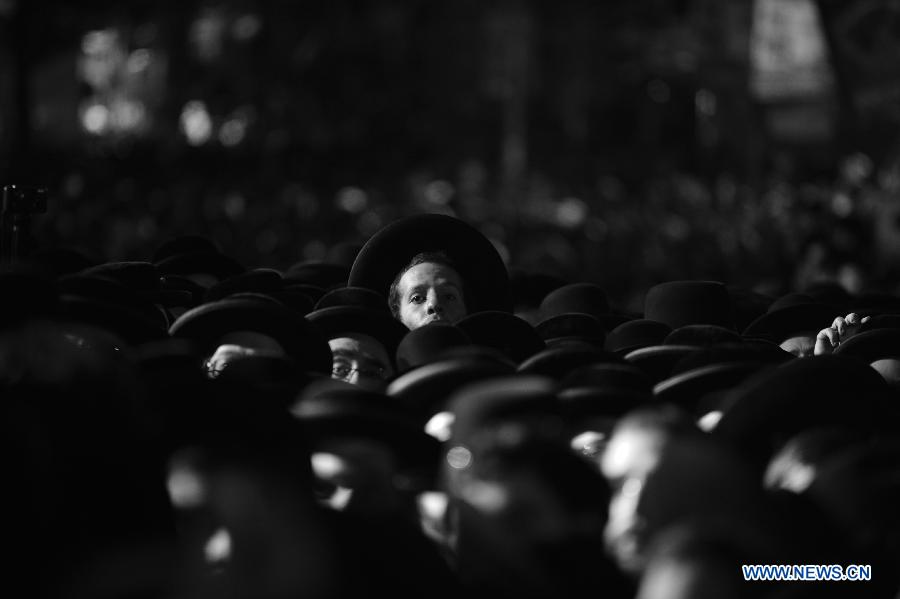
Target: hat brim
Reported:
[(482, 269), (688, 389), (339, 320), (783, 323), (208, 323)]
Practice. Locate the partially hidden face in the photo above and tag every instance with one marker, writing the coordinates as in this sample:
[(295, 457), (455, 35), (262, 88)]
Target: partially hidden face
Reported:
[(430, 292), (361, 360)]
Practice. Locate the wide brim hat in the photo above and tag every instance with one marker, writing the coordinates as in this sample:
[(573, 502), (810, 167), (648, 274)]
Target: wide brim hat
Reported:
[(586, 298), (757, 351), (353, 296), (429, 344), (109, 304), (340, 321), (701, 335), (333, 409), (689, 389), (636, 334), (427, 389), (215, 264), (872, 345), (572, 326), (495, 401), (258, 280), (503, 331), (209, 323), (589, 402), (680, 303), (556, 362), (784, 322), (609, 375), (479, 264), (326, 275), (814, 392), (658, 361)]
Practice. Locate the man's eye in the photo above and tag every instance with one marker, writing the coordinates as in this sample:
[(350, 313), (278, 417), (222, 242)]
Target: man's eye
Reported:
[(417, 299), (341, 369), (450, 296)]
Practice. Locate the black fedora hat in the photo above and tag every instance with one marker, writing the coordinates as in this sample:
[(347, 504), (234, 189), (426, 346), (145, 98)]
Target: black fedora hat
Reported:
[(327, 275), (213, 264), (609, 375), (257, 280), (353, 296), (111, 305), (428, 344), (503, 331), (143, 278), (583, 298), (530, 400), (792, 314), (691, 389), (209, 323), (679, 303), (636, 334), (580, 404), (482, 269), (701, 335), (754, 350), (427, 389), (658, 361), (813, 392), (557, 362), (332, 409), (342, 320), (872, 345), (572, 326)]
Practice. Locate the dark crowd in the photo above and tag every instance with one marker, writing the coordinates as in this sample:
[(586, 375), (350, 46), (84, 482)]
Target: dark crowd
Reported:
[(418, 415)]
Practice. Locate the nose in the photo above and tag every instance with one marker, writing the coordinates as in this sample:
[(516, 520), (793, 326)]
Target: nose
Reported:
[(434, 305)]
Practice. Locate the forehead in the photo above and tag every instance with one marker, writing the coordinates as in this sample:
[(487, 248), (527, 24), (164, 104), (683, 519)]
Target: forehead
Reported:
[(430, 273), (359, 346)]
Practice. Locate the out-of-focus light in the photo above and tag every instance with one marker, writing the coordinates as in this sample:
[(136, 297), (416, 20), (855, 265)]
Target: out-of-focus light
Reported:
[(95, 118), (571, 213), (588, 443), (369, 222), (235, 205), (126, 115), (206, 34), (439, 192), (433, 504), (709, 421), (232, 132), (218, 547), (315, 250), (196, 123), (352, 199), (440, 426), (659, 91), (705, 102), (186, 487), (7, 7), (99, 41), (327, 465), (246, 27), (139, 60), (487, 497), (459, 457)]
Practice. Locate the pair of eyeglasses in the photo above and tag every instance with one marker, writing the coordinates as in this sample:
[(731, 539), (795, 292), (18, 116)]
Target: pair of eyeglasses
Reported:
[(343, 370)]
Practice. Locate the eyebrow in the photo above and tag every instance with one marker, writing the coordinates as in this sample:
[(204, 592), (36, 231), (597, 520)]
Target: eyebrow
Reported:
[(439, 284)]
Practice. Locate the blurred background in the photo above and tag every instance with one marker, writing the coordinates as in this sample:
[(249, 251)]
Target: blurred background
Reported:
[(621, 142)]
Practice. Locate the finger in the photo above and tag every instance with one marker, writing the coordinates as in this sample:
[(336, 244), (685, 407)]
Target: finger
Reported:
[(852, 318), (865, 319), (829, 335), (839, 325), (824, 344)]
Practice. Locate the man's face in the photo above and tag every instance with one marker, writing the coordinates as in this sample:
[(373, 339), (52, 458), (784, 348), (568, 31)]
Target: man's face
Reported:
[(430, 292), (800, 345), (360, 360)]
